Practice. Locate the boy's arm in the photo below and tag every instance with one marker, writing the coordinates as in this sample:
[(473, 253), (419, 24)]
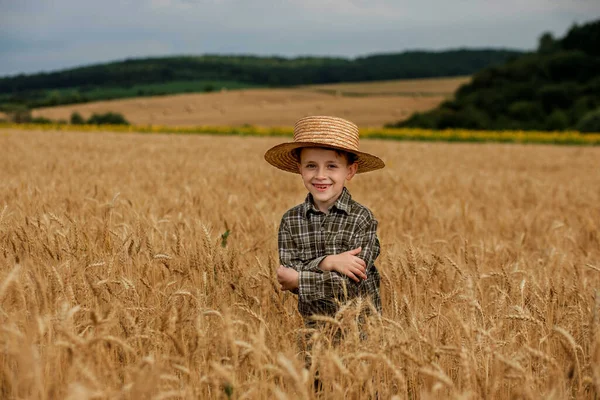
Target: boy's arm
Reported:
[(288, 251), (316, 284)]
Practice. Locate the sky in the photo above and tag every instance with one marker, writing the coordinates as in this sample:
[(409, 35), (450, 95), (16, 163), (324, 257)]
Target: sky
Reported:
[(45, 35)]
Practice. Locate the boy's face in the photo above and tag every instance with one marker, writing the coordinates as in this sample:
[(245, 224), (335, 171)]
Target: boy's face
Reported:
[(324, 173)]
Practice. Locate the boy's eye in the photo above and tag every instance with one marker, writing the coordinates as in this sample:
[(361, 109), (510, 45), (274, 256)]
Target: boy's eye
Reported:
[(332, 166)]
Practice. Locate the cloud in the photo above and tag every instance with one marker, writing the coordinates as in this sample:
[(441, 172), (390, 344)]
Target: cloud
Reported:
[(34, 34)]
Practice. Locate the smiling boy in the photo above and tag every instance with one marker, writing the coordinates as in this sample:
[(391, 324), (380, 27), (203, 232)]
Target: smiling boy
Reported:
[(328, 244)]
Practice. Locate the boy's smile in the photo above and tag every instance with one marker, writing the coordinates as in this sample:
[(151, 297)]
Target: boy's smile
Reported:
[(321, 188), (324, 173)]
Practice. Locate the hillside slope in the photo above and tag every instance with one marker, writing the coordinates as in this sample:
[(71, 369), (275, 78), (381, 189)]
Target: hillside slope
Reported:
[(556, 88), (172, 75)]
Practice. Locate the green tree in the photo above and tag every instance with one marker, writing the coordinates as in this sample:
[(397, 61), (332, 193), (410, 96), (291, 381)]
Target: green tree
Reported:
[(20, 115), (547, 43), (109, 118), (77, 119), (525, 111), (557, 121), (553, 88), (590, 122)]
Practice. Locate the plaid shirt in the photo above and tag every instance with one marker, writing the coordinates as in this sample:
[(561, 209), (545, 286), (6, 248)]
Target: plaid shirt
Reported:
[(307, 236)]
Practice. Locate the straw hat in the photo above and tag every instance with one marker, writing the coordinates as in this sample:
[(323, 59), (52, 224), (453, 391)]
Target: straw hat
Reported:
[(320, 131)]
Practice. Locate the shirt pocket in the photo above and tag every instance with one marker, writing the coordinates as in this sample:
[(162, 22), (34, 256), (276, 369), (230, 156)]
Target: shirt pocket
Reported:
[(339, 244)]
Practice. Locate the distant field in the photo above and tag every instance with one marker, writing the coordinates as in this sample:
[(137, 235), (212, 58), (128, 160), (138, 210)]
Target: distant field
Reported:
[(370, 104), (408, 87)]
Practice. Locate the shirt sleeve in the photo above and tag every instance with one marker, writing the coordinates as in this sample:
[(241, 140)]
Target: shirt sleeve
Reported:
[(316, 285), (288, 251)]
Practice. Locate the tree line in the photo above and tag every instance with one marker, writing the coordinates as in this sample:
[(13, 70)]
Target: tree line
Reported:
[(555, 88)]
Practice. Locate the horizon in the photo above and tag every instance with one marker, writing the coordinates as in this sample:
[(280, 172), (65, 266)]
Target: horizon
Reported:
[(38, 37), (115, 61)]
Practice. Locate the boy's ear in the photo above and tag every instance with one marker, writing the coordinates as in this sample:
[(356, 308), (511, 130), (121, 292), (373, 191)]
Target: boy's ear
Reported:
[(352, 169)]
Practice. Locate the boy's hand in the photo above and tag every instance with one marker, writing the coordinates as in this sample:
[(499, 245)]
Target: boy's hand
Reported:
[(346, 263), (287, 278)]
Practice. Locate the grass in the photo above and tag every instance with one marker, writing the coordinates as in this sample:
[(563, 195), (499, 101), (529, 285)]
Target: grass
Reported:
[(90, 94), (157, 89), (116, 282)]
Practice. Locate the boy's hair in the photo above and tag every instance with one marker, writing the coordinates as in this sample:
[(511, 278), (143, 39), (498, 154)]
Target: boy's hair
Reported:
[(350, 157)]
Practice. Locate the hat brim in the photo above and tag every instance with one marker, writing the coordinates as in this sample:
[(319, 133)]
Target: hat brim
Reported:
[(282, 157)]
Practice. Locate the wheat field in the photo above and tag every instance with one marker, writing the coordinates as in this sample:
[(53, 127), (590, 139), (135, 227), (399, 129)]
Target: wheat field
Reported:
[(372, 104), (401, 87), (117, 280)]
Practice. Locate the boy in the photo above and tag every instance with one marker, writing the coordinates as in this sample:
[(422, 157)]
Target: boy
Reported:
[(328, 244)]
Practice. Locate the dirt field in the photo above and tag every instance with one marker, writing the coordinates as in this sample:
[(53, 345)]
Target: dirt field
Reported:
[(116, 282), (367, 104)]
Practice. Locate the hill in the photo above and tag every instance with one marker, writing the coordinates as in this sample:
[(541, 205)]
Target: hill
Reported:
[(172, 75), (371, 104), (555, 88)]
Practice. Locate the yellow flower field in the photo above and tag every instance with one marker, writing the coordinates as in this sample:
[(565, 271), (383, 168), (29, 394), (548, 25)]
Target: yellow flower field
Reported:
[(452, 135)]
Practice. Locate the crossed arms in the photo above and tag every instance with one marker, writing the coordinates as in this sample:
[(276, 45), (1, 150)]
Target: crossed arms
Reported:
[(330, 275)]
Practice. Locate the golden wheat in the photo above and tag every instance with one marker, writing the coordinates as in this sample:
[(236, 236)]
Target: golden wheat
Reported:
[(118, 280)]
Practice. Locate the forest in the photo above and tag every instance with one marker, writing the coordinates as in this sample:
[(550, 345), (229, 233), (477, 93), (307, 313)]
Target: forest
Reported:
[(556, 88)]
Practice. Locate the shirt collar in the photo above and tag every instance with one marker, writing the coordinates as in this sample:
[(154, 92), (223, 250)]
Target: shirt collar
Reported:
[(342, 203)]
